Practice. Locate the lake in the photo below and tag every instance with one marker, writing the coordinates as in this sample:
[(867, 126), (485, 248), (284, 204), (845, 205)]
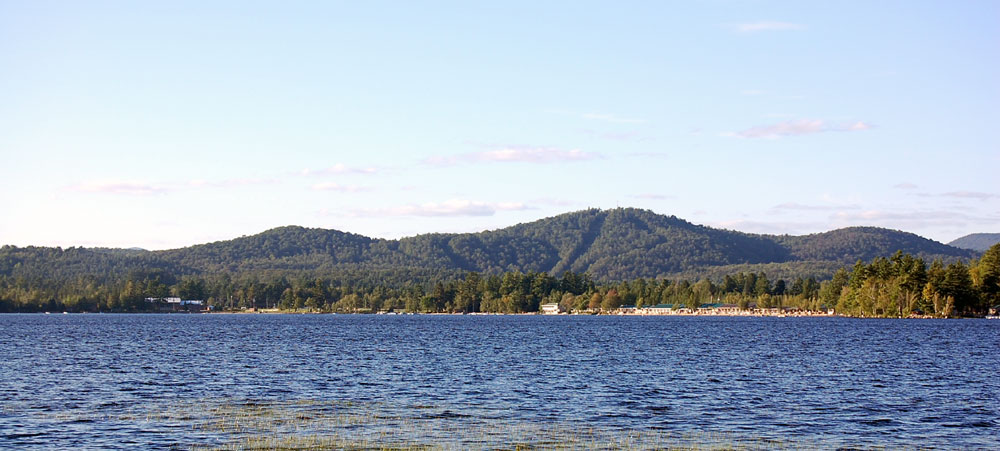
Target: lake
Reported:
[(219, 380)]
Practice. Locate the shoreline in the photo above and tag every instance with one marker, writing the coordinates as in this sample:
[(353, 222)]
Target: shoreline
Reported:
[(749, 314)]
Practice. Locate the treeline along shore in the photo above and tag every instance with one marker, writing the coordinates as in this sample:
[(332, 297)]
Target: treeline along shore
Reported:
[(899, 286)]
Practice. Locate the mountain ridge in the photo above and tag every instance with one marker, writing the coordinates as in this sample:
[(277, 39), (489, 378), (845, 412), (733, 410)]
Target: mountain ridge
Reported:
[(616, 244), (976, 241)]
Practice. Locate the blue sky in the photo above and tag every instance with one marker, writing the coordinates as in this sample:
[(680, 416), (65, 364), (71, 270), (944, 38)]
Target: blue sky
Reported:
[(166, 124)]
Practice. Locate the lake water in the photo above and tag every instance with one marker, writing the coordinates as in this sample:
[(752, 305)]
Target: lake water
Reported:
[(188, 381)]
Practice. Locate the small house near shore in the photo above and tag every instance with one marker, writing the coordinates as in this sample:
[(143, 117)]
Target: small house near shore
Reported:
[(174, 304), (551, 309)]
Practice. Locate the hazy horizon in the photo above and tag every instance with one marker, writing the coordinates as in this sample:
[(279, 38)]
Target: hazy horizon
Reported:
[(163, 125)]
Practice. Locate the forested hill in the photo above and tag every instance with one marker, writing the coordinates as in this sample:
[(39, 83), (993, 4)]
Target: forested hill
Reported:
[(614, 244), (850, 244), (977, 241), (611, 244)]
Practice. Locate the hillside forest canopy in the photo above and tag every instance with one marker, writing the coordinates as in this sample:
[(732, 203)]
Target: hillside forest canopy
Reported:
[(883, 287)]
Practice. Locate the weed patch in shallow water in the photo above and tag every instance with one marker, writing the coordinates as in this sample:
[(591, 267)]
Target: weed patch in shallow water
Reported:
[(312, 425)]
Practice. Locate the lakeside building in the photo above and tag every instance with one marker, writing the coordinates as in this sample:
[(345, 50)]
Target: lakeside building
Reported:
[(175, 304), (714, 308), (718, 308), (663, 309), (551, 309)]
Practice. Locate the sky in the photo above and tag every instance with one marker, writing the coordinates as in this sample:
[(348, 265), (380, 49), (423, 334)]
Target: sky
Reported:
[(165, 124)]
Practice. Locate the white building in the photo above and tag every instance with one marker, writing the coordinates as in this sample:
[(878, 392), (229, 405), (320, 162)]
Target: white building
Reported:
[(551, 309)]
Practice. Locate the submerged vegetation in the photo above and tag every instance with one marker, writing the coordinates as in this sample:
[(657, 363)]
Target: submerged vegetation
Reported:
[(899, 286), (331, 424)]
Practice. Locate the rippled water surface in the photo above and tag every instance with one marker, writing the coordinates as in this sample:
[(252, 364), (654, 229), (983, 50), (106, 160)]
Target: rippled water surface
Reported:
[(182, 381)]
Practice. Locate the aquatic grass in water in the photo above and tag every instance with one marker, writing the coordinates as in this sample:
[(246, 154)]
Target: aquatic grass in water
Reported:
[(309, 424)]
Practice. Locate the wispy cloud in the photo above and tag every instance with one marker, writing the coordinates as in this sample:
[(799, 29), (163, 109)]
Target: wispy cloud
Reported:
[(905, 185), (603, 117), (553, 202), (516, 155), (911, 220), (977, 195), (450, 208), (130, 188), (754, 27), (654, 196), (787, 128), (231, 182), (145, 188), (612, 118), (331, 186), (777, 227), (798, 128), (794, 206), (916, 221), (658, 155), (617, 136), (339, 169), (971, 195)]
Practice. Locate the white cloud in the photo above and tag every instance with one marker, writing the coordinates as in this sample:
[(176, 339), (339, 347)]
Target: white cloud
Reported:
[(922, 221), (454, 207), (230, 182), (793, 206), (912, 220), (754, 27), (617, 136), (140, 188), (858, 126), (952, 194), (905, 185), (131, 188), (552, 202), (787, 128), (770, 228), (516, 155), (331, 186), (797, 128), (656, 155), (654, 196), (971, 195), (339, 169), (612, 118), (595, 116)]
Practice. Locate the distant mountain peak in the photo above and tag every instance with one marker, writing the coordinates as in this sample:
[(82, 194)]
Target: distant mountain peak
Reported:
[(976, 241)]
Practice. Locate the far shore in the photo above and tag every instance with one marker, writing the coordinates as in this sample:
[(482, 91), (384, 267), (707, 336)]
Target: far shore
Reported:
[(734, 313)]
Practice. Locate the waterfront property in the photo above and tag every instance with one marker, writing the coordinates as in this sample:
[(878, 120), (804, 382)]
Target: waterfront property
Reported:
[(551, 309), (716, 308), (175, 304)]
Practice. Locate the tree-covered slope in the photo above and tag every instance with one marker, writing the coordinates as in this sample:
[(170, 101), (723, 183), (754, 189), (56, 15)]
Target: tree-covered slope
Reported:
[(614, 244), (633, 243), (99, 264), (851, 244), (272, 245), (610, 244), (977, 241)]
